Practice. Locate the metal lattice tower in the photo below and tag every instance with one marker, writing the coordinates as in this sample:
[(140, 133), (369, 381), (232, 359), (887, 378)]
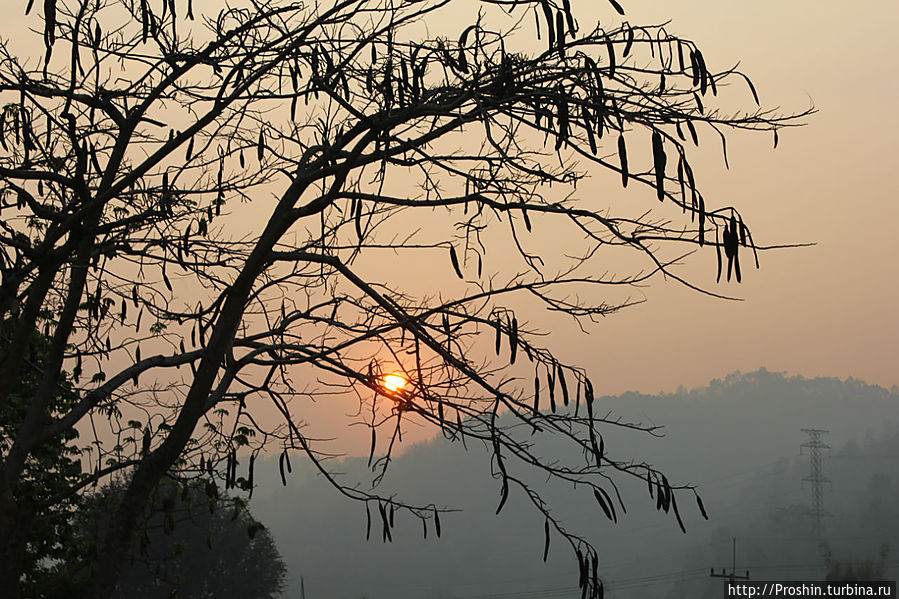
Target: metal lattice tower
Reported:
[(816, 475)]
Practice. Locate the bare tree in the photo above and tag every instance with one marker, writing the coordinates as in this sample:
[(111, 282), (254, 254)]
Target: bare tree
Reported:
[(130, 141)]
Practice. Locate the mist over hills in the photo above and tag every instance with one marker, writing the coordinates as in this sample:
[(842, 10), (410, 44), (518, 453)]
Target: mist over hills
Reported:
[(738, 439)]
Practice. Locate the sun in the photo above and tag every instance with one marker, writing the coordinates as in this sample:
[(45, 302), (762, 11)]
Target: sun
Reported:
[(394, 383)]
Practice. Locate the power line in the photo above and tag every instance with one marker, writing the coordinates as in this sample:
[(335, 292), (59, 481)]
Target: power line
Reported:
[(816, 476), (733, 568)]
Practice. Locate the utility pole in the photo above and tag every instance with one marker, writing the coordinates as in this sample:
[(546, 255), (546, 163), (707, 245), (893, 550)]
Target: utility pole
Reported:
[(733, 576), (816, 475)]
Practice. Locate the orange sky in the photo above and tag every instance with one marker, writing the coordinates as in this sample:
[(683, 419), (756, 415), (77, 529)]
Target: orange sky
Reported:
[(828, 310)]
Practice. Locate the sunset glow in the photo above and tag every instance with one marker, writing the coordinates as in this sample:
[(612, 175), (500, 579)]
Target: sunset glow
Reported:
[(394, 382)]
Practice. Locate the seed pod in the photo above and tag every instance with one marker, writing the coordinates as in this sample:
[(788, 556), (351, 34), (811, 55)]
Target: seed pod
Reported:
[(703, 72), (563, 385), (367, 522), (513, 340), (546, 542), (560, 33), (437, 522), (607, 508), (701, 507), (551, 385), (550, 25), (622, 156), (260, 145), (455, 261), (630, 43), (659, 160), (677, 515), (694, 67), (49, 23), (611, 49), (617, 7), (503, 495), (250, 475), (281, 467), (701, 220), (718, 253), (693, 134)]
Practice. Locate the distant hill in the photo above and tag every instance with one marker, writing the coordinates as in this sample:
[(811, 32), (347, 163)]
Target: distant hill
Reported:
[(738, 439)]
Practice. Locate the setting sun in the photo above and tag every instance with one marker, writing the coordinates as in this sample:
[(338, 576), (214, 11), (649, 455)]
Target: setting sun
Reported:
[(394, 382)]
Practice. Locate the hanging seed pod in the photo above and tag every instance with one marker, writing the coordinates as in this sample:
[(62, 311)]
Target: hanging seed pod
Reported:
[(693, 134), (503, 495), (605, 502), (513, 340), (260, 145), (49, 23), (680, 522), (560, 33), (718, 253), (250, 475), (659, 160), (703, 72), (629, 43), (546, 541), (611, 49), (455, 261), (702, 511), (550, 23), (551, 385), (563, 385), (622, 157), (371, 451)]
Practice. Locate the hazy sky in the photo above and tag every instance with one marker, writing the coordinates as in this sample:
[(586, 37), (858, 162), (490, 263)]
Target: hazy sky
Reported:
[(827, 310)]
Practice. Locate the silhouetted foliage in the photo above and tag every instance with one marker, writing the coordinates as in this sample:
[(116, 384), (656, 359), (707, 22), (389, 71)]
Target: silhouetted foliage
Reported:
[(130, 141), (194, 542), (45, 492)]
